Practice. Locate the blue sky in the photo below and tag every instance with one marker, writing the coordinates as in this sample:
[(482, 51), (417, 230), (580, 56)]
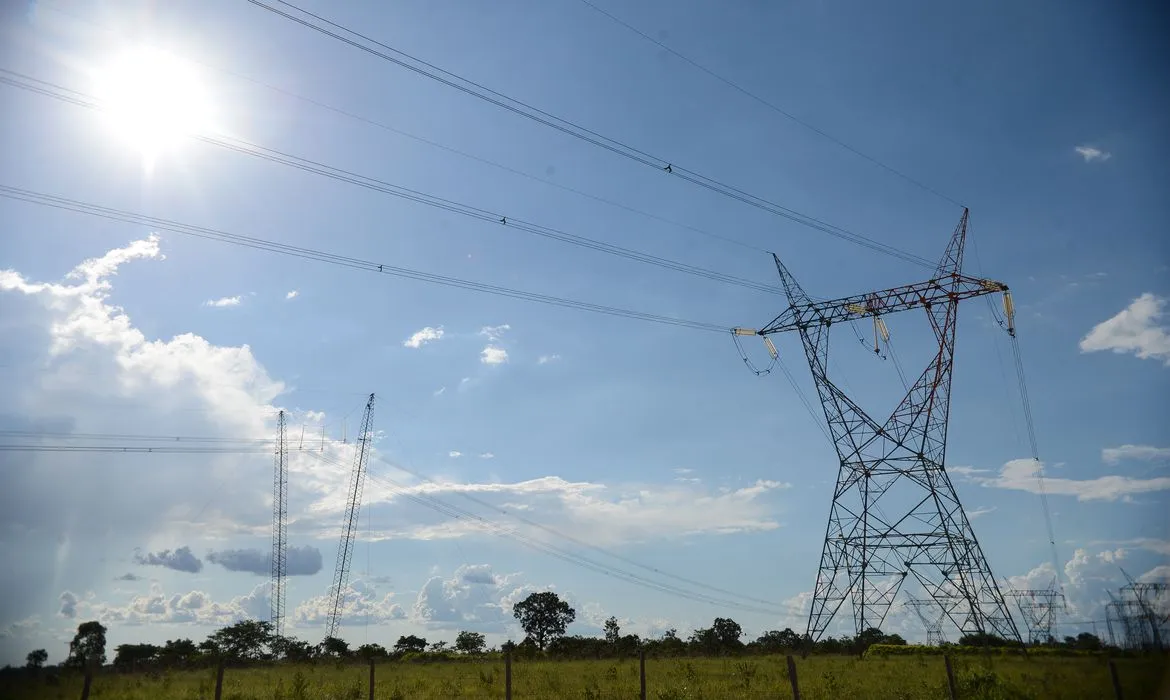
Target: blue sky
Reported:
[(652, 440)]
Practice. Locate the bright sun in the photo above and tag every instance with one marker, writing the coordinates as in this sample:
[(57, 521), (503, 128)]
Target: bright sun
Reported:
[(152, 100)]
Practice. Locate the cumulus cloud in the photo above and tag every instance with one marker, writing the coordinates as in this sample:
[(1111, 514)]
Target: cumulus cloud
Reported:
[(1091, 154), (299, 561), (493, 333), (454, 454), (1137, 329), (1148, 453), (486, 455), (361, 605), (68, 606), (179, 560), (193, 607), (424, 336), (223, 301), (21, 628), (493, 355), (473, 598), (292, 294), (545, 359), (1021, 475)]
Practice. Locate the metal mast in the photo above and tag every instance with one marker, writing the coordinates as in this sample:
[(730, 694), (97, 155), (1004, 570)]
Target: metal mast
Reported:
[(1038, 607), (895, 514), (349, 522), (932, 617), (279, 528)]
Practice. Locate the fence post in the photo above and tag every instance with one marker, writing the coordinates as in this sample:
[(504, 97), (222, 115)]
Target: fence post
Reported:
[(1116, 679), (88, 681), (371, 678), (792, 678), (950, 677), (508, 676), (219, 680), (642, 674)]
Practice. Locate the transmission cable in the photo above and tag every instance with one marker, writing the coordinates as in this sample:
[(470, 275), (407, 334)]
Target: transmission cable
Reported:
[(339, 260), (458, 513), (575, 540), (565, 126), (771, 105), (244, 147), (441, 146)]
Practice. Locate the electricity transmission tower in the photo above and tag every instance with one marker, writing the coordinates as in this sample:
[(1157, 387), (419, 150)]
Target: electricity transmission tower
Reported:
[(349, 522), (279, 528), (932, 617), (895, 514), (1038, 608), (1142, 611)]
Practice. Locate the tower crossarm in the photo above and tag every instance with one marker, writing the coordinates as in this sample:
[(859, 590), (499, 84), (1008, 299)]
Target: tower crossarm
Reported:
[(804, 314)]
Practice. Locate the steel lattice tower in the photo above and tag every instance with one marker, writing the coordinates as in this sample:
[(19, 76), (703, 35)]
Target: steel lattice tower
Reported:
[(1038, 608), (279, 528), (895, 514), (349, 522), (932, 617)]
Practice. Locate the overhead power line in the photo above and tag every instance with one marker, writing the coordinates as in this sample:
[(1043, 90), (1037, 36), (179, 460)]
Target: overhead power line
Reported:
[(771, 105), (470, 87), (441, 146), (64, 94), (112, 214)]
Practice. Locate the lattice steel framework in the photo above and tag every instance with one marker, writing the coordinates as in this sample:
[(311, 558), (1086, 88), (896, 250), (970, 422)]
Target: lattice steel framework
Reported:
[(932, 616), (279, 527), (1038, 608), (349, 522), (895, 514)]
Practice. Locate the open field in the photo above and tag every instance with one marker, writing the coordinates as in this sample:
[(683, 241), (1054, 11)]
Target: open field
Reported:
[(820, 677)]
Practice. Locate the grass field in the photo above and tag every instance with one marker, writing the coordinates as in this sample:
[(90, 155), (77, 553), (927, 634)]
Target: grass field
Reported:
[(666, 679)]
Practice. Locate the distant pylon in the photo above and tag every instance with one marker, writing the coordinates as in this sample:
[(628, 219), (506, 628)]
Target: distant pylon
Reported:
[(279, 527), (932, 616), (1038, 608), (349, 522), (895, 514)]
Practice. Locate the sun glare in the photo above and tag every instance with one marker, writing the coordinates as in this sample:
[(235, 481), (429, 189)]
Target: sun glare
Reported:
[(152, 100)]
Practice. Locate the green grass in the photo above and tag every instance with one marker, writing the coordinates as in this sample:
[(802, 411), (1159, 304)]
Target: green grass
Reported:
[(821, 678)]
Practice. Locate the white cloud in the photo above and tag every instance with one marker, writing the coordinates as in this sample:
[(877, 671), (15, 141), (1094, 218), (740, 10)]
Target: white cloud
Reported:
[(966, 471), (1113, 455), (545, 359), (300, 561), (223, 301), (1136, 329), (486, 455), (21, 628), (982, 510), (424, 336), (193, 607), (293, 294), (493, 355), (1020, 475), (441, 390), (454, 454), (68, 602), (361, 605), (474, 598), (1090, 154), (493, 333)]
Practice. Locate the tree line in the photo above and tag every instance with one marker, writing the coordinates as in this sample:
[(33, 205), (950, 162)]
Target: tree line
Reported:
[(543, 616)]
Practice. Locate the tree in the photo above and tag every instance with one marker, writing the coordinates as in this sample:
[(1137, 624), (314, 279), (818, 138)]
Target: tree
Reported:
[(247, 640), (371, 651), (613, 632), (291, 649), (332, 646), (131, 656), (88, 645), (543, 617), (410, 643), (470, 643), (178, 652), (776, 641), (36, 658), (728, 632)]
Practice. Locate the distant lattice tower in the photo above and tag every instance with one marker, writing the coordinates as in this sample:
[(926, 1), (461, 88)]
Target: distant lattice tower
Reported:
[(279, 527), (1038, 608), (895, 514), (349, 521), (932, 615)]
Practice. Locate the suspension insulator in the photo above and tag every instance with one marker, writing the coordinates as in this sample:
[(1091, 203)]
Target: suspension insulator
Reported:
[(771, 348), (743, 331), (882, 330), (1009, 310)]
